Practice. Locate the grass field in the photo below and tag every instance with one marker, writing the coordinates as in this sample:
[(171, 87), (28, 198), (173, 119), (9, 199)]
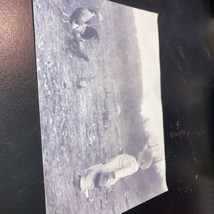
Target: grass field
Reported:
[(85, 126)]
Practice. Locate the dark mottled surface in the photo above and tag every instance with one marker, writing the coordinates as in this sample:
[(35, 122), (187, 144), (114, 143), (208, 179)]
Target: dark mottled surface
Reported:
[(21, 177), (187, 69)]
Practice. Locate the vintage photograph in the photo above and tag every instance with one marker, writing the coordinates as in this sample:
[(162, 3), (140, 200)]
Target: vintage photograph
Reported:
[(100, 105)]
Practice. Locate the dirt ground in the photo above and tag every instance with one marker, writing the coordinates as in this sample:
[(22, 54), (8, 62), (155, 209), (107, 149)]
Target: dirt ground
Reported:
[(84, 126)]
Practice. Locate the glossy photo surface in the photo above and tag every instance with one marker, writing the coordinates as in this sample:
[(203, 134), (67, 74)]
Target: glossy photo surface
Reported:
[(100, 105)]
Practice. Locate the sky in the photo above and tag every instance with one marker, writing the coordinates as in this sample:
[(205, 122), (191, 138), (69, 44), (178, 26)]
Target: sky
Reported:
[(151, 108)]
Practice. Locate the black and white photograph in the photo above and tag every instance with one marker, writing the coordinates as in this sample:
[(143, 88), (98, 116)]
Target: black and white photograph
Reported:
[(98, 74)]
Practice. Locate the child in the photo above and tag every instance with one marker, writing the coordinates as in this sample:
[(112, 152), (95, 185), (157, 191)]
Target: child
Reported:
[(109, 173)]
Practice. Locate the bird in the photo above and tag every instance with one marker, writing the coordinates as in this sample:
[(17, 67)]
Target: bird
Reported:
[(80, 21), (82, 16), (76, 49), (89, 33)]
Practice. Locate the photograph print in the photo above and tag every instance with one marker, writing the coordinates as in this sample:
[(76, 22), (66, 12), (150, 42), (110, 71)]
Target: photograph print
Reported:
[(100, 105)]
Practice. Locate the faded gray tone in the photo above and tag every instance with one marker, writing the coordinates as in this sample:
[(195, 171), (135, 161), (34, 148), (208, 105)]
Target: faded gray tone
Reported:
[(90, 111)]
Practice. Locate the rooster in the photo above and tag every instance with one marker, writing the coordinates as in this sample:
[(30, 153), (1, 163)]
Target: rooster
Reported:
[(80, 20)]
